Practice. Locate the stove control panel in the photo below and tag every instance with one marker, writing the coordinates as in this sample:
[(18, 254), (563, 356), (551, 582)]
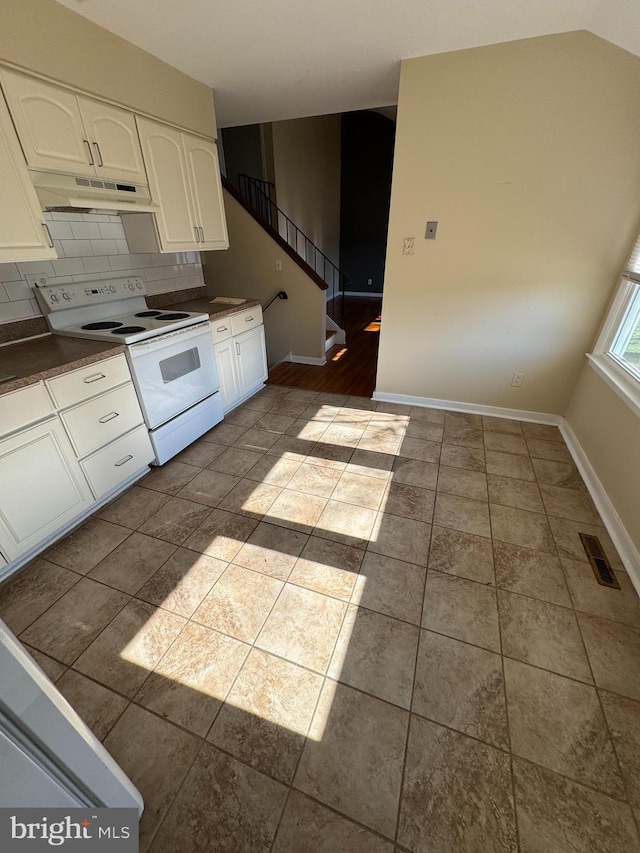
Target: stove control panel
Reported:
[(56, 297)]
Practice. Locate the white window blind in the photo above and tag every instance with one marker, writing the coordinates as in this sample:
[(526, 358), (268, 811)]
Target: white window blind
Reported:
[(633, 264)]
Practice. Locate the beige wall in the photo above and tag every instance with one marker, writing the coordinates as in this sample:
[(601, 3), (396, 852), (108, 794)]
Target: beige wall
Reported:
[(42, 36), (609, 433), (306, 155), (248, 268), (527, 155)]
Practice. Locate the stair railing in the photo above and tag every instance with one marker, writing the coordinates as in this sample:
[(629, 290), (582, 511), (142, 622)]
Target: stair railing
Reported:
[(260, 196)]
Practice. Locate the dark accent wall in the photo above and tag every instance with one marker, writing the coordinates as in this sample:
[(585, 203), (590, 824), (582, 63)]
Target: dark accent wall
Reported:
[(367, 160), (242, 151)]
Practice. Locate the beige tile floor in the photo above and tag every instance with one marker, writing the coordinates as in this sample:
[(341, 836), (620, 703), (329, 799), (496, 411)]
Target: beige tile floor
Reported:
[(334, 625)]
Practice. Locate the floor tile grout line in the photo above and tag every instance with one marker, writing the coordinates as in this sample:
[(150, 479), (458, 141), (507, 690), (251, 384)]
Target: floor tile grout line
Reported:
[(126, 603), (55, 601), (611, 738), (306, 737), (160, 823), (508, 723), (413, 685)]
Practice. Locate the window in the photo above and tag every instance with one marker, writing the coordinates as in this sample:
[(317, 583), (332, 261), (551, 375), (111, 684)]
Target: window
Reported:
[(616, 356)]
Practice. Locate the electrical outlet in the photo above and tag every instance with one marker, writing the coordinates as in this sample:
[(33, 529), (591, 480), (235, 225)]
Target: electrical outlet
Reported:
[(430, 233), (518, 379), (279, 265), (37, 280), (370, 282), (409, 246)]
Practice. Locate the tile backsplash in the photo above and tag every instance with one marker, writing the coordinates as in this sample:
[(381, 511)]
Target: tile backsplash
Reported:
[(90, 247)]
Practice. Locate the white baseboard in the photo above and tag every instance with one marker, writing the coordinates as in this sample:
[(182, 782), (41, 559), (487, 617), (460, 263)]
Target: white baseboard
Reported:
[(304, 359), (629, 554), (470, 408)]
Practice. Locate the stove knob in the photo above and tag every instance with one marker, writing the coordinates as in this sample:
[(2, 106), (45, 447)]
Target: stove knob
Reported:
[(111, 289), (66, 296), (139, 285), (130, 286), (54, 297)]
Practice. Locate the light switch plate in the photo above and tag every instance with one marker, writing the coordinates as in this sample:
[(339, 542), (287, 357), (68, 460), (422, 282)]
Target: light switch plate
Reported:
[(432, 228)]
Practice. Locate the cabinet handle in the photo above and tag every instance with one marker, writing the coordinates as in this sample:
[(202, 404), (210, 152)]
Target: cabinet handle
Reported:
[(222, 328), (248, 319), (98, 152), (91, 160), (195, 228), (237, 347), (49, 237), (122, 461), (106, 418), (94, 378), (201, 233)]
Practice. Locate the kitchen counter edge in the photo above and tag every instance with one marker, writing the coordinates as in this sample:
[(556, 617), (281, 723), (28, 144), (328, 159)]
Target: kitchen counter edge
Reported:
[(51, 355)]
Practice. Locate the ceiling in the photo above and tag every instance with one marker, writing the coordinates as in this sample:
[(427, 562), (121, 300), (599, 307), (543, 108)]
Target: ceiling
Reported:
[(276, 59)]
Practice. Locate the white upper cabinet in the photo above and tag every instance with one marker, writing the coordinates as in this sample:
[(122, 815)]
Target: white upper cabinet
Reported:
[(184, 179), (49, 125), (23, 235), (206, 191), (114, 139), (169, 186), (63, 132)]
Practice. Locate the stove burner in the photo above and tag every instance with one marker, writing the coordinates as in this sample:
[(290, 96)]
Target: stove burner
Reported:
[(128, 330), (177, 316), (107, 324), (147, 314)]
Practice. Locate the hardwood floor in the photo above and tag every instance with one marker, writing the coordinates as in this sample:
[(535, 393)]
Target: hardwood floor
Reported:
[(350, 367)]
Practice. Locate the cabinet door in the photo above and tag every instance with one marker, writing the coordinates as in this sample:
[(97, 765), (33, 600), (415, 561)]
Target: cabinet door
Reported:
[(252, 359), (227, 373), (206, 191), (114, 141), (49, 125), (22, 233), (41, 486), (166, 168)]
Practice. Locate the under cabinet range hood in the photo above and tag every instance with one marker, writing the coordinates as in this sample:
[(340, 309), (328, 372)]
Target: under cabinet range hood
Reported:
[(67, 192)]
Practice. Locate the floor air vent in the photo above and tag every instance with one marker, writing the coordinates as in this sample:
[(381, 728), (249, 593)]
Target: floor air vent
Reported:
[(599, 562)]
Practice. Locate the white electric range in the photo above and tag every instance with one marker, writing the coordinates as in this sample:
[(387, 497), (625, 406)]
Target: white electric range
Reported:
[(170, 354)]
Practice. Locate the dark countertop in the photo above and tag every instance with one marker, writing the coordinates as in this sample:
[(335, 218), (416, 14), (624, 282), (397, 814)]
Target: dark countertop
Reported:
[(216, 309), (42, 358)]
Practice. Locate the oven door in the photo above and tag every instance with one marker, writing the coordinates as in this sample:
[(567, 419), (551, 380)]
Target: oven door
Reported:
[(173, 372)]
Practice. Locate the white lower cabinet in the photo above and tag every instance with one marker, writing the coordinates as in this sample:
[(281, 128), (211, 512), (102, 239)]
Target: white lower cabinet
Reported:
[(252, 359), (118, 461), (227, 373), (241, 359), (42, 487), (104, 423), (64, 446)]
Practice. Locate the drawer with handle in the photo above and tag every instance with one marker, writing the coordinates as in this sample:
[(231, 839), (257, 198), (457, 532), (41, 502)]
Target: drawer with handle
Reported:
[(114, 464), (221, 329), (97, 422), (246, 320), (24, 406), (86, 382)]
